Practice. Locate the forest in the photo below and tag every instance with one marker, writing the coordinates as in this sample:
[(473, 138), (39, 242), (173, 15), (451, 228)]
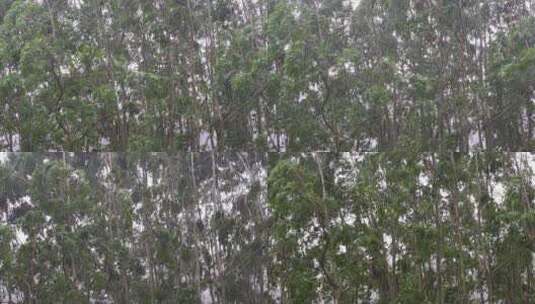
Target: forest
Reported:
[(391, 227), (267, 151), (268, 76), (136, 228)]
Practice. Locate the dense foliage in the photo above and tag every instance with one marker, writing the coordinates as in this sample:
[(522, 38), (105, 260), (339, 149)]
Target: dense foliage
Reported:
[(174, 151), (274, 75), (391, 227), (404, 228), (147, 228)]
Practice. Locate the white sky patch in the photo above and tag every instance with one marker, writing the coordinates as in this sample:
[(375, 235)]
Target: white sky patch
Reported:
[(133, 67), (20, 236), (3, 156), (353, 3), (333, 71), (342, 249), (498, 192), (423, 179), (350, 219)]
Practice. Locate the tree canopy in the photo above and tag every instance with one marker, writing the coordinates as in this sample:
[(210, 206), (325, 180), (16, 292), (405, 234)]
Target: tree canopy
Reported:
[(403, 228), (392, 227), (277, 75), (143, 228), (267, 151)]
